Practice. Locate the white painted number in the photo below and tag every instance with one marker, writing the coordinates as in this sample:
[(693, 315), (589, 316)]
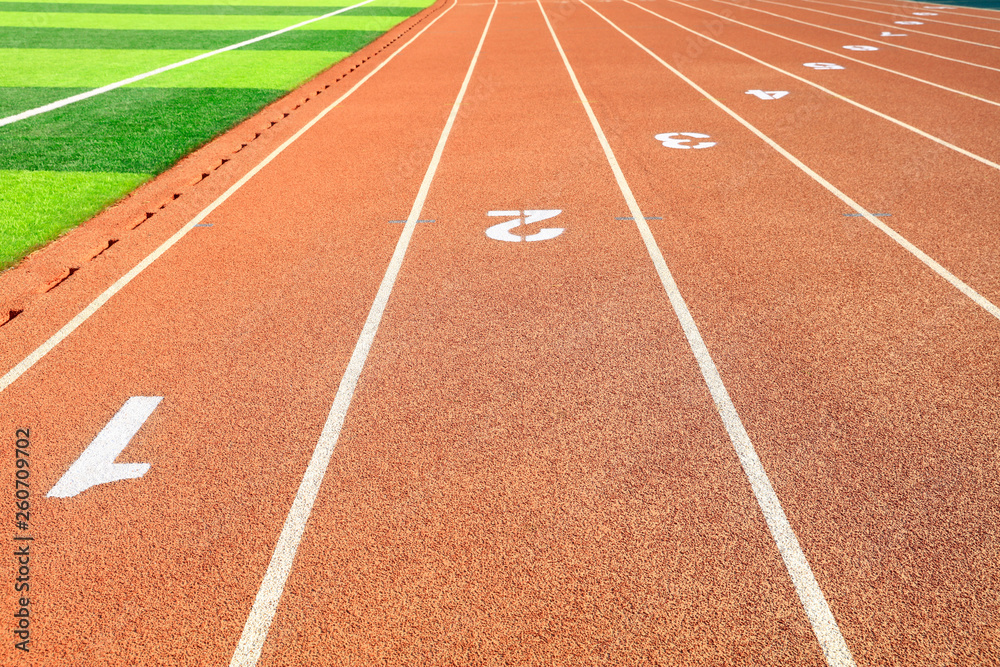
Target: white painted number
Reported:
[(681, 139), (861, 48), (768, 94), (501, 231), (891, 34), (924, 13), (97, 463), (908, 22), (823, 66)]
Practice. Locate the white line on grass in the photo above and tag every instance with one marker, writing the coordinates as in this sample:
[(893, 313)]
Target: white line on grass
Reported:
[(824, 625), (925, 135), (273, 585), (979, 299), (58, 104), (17, 371)]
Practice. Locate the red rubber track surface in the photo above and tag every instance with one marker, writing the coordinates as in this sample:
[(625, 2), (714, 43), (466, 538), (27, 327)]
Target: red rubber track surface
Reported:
[(532, 469)]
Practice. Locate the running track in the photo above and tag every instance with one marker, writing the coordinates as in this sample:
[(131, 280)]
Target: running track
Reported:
[(742, 409)]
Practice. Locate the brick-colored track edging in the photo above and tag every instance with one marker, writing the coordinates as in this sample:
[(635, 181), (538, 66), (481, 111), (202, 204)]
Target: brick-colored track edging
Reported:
[(22, 287)]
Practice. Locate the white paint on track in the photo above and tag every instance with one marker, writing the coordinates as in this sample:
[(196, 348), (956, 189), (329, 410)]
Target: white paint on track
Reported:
[(96, 465), (840, 54), (273, 585), (58, 104), (928, 261), (909, 29), (899, 15), (824, 625), (17, 371), (921, 5), (925, 135)]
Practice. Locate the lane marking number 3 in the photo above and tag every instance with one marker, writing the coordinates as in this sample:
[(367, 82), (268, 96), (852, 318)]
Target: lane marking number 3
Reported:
[(768, 94), (502, 231), (681, 139)]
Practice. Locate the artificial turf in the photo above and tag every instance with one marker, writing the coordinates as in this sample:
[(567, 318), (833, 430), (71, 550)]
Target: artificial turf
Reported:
[(60, 167), (193, 10), (175, 22), (198, 40), (31, 217), (131, 130), (233, 69)]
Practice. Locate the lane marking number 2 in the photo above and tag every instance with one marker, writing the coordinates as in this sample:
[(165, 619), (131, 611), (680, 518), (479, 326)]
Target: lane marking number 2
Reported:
[(860, 47), (823, 65), (768, 94), (891, 34), (96, 464), (681, 139), (502, 231)]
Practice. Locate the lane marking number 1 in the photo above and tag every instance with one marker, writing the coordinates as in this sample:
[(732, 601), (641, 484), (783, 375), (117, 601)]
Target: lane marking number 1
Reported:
[(768, 94), (96, 464), (502, 231)]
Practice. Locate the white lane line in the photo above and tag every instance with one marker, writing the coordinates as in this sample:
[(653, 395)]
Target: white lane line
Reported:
[(17, 371), (58, 104), (96, 465), (975, 296), (840, 54), (823, 623), (926, 19), (909, 29), (273, 585), (925, 135), (915, 5)]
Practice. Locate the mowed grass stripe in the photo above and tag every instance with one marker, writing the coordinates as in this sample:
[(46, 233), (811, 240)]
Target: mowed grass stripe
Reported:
[(198, 41), (197, 10), (173, 22), (16, 100), (130, 130), (37, 206)]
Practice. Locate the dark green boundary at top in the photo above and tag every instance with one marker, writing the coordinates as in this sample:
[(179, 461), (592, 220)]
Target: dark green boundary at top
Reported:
[(200, 40), (192, 10), (975, 4)]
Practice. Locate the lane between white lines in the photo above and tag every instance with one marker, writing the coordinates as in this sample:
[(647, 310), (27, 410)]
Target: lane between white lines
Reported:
[(824, 625), (66, 101), (899, 15), (273, 585), (975, 296), (909, 29), (926, 135), (21, 368), (840, 54), (924, 5)]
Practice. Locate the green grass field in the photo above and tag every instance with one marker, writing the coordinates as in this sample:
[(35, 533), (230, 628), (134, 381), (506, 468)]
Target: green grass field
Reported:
[(60, 168)]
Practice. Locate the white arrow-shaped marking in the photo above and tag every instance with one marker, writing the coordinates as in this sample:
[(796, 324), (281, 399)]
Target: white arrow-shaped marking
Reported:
[(96, 464)]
